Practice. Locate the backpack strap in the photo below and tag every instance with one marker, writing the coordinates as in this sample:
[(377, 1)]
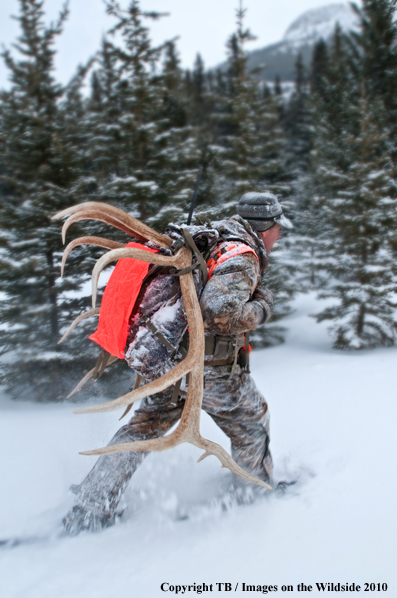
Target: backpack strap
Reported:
[(226, 250), (193, 247)]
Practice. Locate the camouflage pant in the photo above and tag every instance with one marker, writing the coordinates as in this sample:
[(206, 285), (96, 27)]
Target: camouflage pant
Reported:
[(234, 404)]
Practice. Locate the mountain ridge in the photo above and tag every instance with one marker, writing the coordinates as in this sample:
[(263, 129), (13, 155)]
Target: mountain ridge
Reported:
[(300, 37)]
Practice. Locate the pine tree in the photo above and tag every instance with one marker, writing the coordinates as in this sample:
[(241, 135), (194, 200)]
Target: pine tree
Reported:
[(176, 110), (335, 94), (376, 56), (41, 161), (362, 273), (249, 139), (355, 175), (298, 123), (248, 148), (196, 92), (335, 104), (319, 66), (278, 90), (298, 126), (143, 153)]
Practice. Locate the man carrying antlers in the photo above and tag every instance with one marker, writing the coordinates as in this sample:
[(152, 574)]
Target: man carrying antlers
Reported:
[(233, 302)]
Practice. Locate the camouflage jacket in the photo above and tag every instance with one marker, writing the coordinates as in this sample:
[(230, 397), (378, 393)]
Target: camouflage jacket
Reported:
[(233, 301)]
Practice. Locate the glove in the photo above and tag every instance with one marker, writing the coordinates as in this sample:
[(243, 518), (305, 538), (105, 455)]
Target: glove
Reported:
[(265, 297)]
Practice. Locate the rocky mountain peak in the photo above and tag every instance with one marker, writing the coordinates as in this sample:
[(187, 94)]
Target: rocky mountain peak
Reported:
[(320, 22)]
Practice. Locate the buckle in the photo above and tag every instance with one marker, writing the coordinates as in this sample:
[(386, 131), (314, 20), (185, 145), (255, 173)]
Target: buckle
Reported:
[(177, 244)]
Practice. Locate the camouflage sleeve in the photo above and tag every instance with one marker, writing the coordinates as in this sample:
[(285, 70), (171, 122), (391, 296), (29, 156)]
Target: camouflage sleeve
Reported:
[(147, 354), (232, 302)]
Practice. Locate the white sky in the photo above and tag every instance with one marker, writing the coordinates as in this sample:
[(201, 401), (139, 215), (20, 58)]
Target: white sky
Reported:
[(202, 26)]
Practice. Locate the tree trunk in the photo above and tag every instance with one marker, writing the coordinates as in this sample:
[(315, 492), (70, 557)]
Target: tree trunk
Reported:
[(360, 320), (312, 274), (53, 294)]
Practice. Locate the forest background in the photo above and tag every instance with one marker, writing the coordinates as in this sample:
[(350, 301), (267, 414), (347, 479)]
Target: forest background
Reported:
[(137, 141)]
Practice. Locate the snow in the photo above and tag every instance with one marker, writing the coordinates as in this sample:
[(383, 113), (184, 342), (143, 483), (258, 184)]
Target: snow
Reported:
[(320, 23), (333, 430), (85, 290)]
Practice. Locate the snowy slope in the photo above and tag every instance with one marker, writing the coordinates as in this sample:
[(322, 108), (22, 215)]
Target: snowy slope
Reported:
[(333, 429)]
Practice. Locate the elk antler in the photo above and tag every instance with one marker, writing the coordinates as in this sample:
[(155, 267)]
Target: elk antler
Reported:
[(188, 429), (135, 228), (80, 318), (88, 376), (98, 241), (96, 215), (181, 260)]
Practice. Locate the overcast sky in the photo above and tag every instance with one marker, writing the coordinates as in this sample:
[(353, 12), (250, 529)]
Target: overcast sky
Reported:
[(202, 26)]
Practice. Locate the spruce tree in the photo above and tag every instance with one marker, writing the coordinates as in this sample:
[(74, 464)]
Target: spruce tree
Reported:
[(355, 190), (143, 153), (249, 139), (376, 56), (41, 161), (248, 147), (298, 123), (361, 268), (198, 93), (176, 110), (319, 66), (298, 126), (335, 94)]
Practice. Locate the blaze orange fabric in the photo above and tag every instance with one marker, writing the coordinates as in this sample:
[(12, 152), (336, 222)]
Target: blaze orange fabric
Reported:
[(225, 251), (249, 349), (118, 302)]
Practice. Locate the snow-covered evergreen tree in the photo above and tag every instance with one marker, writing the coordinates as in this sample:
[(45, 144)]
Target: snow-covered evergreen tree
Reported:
[(334, 103), (354, 183), (375, 46), (197, 94), (143, 153), (298, 123), (361, 267), (41, 162), (251, 139), (319, 66), (248, 147)]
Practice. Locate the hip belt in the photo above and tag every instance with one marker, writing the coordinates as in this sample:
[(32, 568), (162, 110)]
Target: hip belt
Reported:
[(223, 350), (226, 350)]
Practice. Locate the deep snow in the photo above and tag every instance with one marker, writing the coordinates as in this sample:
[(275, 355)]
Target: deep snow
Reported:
[(333, 420)]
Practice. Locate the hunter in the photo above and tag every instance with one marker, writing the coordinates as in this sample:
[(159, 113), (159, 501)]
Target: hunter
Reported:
[(233, 302)]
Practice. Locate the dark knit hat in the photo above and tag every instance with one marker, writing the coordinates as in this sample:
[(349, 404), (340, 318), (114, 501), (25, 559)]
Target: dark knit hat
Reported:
[(262, 210)]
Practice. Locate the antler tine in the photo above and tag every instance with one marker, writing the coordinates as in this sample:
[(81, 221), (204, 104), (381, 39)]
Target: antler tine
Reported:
[(137, 228), (195, 353), (98, 241), (212, 448), (80, 385), (167, 442), (97, 215), (177, 261), (80, 318), (151, 388), (182, 259)]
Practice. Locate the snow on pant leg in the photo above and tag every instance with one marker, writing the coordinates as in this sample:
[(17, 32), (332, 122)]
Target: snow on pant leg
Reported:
[(99, 493), (240, 410)]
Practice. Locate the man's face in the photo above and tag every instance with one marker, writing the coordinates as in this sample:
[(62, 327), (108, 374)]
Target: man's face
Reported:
[(269, 237)]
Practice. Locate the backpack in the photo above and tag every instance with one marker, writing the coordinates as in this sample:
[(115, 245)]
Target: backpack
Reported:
[(141, 318), (180, 255)]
